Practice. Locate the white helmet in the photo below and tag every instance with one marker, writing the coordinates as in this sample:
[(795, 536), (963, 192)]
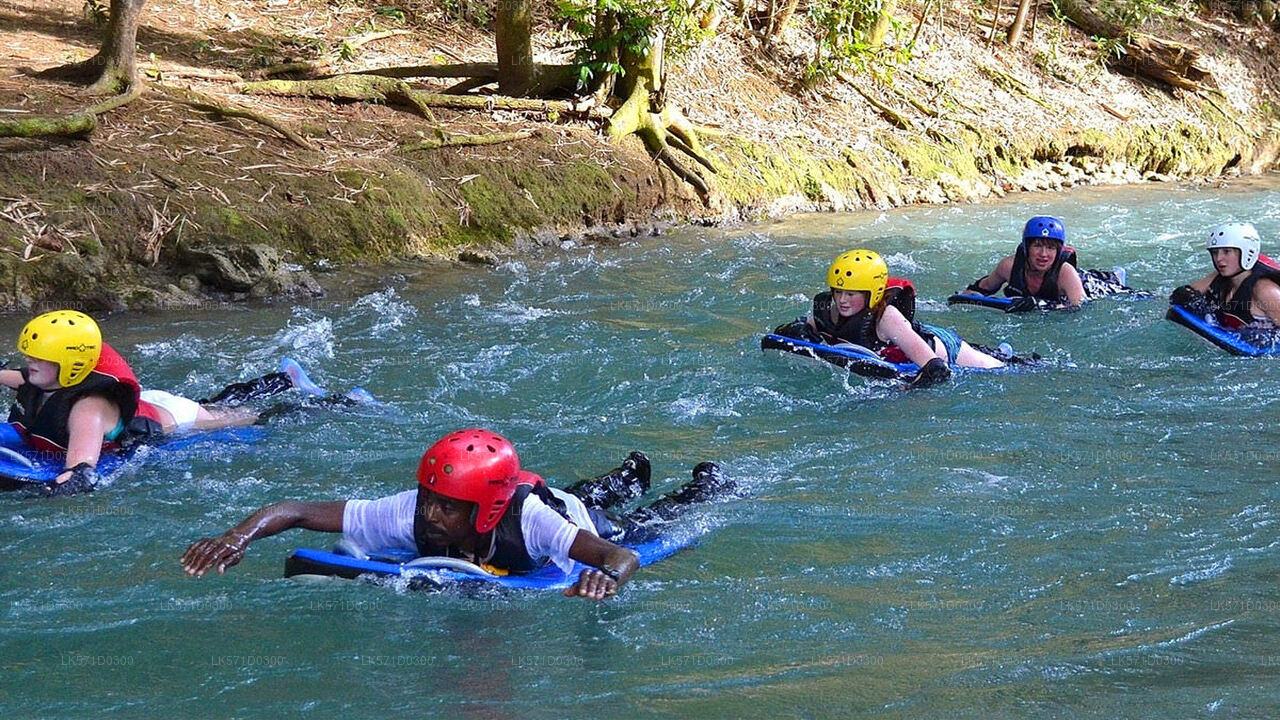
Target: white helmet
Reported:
[(1241, 236)]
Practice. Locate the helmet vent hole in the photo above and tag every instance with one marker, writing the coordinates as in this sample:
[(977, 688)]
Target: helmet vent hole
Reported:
[(492, 449), (471, 448)]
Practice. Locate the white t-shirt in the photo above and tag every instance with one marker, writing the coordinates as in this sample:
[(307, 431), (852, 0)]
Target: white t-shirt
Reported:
[(387, 523)]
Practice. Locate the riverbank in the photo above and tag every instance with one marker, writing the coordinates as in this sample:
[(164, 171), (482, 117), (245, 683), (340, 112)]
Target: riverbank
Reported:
[(166, 205)]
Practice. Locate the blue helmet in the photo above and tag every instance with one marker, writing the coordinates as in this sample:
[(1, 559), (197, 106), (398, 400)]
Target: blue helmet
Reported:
[(1043, 226)]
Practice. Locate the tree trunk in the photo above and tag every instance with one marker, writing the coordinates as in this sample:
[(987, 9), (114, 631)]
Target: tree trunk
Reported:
[(880, 28), (114, 68), (119, 49), (513, 23), (1019, 22), (779, 19)]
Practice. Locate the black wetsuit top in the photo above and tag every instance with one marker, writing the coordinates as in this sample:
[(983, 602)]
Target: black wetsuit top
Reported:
[(1049, 290), (860, 328), (1237, 310)]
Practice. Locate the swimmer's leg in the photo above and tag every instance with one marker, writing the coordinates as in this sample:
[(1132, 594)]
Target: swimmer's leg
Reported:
[(265, 386), (290, 376), (217, 418), (626, 482), (970, 356), (708, 482)]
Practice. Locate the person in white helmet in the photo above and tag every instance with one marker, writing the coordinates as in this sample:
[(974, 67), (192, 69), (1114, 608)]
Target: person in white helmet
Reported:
[(1244, 287)]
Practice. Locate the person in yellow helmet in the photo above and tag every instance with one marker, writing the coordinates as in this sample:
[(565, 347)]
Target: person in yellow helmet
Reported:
[(77, 396), (857, 309)]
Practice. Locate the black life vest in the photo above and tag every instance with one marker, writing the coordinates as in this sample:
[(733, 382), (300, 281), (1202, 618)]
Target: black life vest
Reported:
[(1236, 311), (1049, 290), (507, 550), (43, 426), (860, 328)]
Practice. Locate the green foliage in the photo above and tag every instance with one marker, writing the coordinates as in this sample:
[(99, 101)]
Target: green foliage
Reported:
[(392, 12), (843, 38), (1109, 49), (1133, 14), (606, 30)]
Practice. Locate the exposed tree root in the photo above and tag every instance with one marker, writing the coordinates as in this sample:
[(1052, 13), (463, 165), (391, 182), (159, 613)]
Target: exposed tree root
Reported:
[(925, 109), (75, 125), (549, 80), (159, 73), (443, 139), (466, 86), (661, 132), (209, 104), (369, 88), (446, 70), (373, 88), (1207, 98), (893, 116)]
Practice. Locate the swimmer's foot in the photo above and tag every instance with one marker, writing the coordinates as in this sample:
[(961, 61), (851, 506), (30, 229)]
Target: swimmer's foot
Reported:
[(299, 378), (709, 482)]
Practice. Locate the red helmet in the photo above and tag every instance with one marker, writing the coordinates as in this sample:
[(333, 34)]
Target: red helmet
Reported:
[(474, 465)]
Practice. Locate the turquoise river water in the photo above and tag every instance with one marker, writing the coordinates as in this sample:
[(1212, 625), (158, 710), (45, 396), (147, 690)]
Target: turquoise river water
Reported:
[(1097, 538)]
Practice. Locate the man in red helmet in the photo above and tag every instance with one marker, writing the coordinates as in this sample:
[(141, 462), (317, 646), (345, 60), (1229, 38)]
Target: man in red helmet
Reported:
[(474, 502)]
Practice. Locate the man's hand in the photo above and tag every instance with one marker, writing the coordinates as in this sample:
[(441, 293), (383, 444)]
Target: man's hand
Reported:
[(595, 584), (206, 554)]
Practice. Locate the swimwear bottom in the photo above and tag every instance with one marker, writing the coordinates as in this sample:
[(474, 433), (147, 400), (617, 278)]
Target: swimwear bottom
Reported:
[(184, 411)]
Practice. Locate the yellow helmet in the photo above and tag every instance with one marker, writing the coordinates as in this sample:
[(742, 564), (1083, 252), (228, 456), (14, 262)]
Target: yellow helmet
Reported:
[(69, 338), (860, 270)]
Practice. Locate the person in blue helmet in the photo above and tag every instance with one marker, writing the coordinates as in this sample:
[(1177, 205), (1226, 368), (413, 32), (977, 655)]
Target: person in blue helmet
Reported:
[(1042, 268)]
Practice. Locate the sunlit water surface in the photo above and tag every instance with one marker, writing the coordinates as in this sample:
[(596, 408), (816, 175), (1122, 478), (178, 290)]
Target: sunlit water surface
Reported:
[(1095, 538)]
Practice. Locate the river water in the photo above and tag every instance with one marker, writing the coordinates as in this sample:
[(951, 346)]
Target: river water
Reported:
[(1099, 537)]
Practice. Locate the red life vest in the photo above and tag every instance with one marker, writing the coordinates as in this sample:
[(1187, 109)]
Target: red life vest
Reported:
[(43, 425)]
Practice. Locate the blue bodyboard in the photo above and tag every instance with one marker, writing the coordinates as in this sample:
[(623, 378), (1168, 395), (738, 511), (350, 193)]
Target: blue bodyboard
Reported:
[(863, 361), (20, 464), (989, 301), (438, 572), (855, 359), (1259, 343)]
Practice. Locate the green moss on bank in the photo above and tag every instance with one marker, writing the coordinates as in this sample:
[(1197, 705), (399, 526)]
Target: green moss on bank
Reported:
[(444, 202)]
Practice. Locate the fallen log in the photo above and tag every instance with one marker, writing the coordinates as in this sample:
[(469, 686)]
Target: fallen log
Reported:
[(1172, 63)]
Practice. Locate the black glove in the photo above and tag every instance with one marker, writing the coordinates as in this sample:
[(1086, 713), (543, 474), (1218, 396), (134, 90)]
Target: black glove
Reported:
[(933, 372), (976, 287), (1185, 295), (1021, 304), (83, 479)]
